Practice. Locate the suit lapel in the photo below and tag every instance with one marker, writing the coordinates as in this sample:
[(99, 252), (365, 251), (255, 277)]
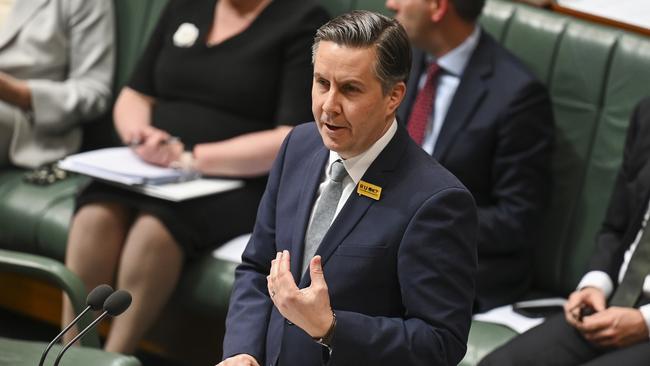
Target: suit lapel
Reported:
[(468, 97), (356, 206), (311, 181), (21, 13)]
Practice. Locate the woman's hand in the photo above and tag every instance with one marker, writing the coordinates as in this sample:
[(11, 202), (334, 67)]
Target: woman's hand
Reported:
[(158, 147)]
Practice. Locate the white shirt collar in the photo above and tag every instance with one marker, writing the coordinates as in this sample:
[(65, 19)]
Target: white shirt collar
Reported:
[(357, 166), (455, 61)]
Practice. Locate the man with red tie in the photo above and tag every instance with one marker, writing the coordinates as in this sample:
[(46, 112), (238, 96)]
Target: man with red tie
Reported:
[(485, 117)]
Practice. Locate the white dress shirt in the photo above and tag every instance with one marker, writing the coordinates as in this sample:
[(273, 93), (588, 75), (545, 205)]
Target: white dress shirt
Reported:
[(356, 168), (601, 280), (452, 66)]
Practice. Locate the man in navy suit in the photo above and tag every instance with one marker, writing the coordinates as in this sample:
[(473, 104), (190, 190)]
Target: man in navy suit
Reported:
[(392, 279), (488, 120)]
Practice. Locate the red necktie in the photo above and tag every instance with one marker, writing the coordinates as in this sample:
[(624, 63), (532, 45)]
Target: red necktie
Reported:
[(423, 106)]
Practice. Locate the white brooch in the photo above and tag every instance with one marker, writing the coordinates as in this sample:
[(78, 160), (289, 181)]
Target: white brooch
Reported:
[(186, 35)]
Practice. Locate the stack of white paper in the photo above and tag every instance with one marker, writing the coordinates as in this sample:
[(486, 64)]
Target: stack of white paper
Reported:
[(120, 165)]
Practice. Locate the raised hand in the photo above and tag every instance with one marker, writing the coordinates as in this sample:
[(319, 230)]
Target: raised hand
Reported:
[(308, 308)]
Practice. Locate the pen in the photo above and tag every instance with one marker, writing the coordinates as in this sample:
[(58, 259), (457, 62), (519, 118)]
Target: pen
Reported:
[(167, 141)]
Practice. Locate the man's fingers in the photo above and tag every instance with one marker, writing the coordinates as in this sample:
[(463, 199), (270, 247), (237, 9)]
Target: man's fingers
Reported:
[(571, 318), (598, 304), (272, 277), (316, 271), (275, 265), (285, 263), (239, 360), (603, 338), (595, 323)]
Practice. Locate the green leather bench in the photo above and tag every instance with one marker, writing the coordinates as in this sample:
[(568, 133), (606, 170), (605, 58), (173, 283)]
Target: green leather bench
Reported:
[(595, 76)]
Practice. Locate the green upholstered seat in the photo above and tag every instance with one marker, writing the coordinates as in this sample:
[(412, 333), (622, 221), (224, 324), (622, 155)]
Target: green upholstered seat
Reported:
[(484, 337), (27, 353), (18, 352)]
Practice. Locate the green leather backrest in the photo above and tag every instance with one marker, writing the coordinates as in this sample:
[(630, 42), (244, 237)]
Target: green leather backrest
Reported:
[(534, 37), (135, 20), (155, 9), (496, 19), (374, 5), (129, 16), (336, 7), (595, 76), (628, 79)]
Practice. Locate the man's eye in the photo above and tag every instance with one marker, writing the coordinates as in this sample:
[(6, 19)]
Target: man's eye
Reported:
[(350, 89), (323, 82)]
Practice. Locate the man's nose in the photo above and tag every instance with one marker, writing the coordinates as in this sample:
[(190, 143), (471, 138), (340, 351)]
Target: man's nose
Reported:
[(332, 103)]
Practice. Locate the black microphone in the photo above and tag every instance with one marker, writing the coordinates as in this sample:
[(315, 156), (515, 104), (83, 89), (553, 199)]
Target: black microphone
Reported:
[(95, 301), (114, 305)]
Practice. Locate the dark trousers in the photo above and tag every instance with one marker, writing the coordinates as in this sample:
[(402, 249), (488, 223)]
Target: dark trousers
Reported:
[(556, 343)]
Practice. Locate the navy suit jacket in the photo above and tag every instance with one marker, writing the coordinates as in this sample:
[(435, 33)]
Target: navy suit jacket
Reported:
[(400, 270), (629, 200), (497, 139)]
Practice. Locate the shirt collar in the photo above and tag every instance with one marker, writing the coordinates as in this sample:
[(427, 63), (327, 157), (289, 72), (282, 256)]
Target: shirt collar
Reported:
[(357, 166), (455, 61)]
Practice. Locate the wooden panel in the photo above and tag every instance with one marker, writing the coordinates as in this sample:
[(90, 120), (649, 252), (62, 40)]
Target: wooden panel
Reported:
[(599, 19)]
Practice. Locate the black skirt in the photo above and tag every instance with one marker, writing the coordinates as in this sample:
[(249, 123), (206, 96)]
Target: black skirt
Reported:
[(198, 225)]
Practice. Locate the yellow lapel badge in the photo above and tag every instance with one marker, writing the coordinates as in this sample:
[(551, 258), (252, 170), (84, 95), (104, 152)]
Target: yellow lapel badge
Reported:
[(369, 190)]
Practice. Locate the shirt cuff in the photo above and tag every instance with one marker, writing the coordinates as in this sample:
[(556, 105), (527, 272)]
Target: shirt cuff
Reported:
[(645, 311), (598, 279)]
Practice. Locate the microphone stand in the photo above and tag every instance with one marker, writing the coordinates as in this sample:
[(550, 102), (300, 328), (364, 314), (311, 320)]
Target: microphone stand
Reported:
[(76, 338), (44, 354)]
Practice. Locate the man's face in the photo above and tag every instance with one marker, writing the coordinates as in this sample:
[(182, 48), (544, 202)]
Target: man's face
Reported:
[(414, 15), (350, 110)]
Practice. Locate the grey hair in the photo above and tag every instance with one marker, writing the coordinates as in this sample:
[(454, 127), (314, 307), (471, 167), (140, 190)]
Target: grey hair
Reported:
[(364, 29)]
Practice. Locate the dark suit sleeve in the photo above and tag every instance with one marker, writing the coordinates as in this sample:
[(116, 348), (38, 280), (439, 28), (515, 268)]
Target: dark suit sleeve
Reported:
[(521, 177), (250, 304), (436, 265), (610, 244)]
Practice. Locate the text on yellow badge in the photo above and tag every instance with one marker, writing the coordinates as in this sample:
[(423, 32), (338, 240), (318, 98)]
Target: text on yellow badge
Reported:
[(369, 190)]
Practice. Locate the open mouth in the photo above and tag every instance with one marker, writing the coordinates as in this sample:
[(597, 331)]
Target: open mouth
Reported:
[(332, 127)]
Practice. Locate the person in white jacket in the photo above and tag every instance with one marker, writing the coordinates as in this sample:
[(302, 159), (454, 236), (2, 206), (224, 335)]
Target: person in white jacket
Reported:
[(56, 71)]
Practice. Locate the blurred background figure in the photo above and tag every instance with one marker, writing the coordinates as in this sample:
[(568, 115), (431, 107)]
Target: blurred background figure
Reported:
[(227, 79), (56, 70), (483, 115)]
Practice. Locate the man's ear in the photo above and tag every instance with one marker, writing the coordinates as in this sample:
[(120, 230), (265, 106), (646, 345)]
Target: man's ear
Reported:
[(439, 9), (395, 96)]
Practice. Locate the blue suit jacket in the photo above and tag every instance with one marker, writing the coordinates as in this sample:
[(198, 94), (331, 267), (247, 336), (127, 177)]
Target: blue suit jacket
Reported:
[(400, 270), (497, 139)]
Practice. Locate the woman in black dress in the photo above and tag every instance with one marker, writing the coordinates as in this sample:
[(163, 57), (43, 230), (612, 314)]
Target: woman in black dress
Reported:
[(229, 78)]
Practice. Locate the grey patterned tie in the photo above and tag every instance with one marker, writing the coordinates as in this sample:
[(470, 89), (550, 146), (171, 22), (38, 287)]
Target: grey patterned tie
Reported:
[(630, 288), (324, 213)]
